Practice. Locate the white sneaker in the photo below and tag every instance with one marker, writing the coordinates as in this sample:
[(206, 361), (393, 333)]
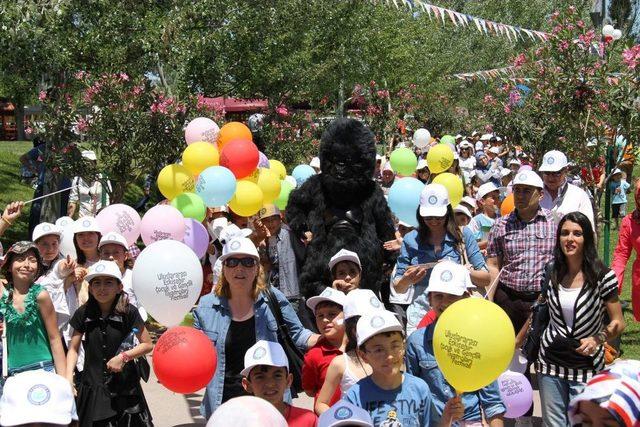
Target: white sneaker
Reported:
[(524, 422)]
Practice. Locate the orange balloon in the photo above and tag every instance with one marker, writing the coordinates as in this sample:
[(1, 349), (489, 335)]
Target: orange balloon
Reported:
[(507, 205), (231, 131)]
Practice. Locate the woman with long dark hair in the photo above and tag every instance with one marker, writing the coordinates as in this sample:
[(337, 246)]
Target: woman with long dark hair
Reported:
[(437, 237), (580, 291)]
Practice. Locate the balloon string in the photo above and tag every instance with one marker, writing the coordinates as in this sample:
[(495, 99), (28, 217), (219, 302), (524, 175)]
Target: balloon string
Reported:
[(50, 194), (493, 285)]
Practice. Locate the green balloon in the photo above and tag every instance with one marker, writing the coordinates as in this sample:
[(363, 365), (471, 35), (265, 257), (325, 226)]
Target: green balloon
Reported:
[(190, 205), (283, 198), (448, 139), (403, 161)]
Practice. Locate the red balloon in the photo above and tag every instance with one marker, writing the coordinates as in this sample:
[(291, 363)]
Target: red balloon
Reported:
[(184, 359), (240, 156)]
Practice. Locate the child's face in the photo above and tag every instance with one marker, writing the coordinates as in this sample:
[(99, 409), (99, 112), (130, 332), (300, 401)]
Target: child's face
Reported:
[(24, 266), (461, 219), (439, 301), (268, 383), (273, 224), (490, 201), (349, 272), (104, 289), (49, 246), (385, 353), (113, 252), (594, 415), (617, 177), (330, 321), (87, 240)]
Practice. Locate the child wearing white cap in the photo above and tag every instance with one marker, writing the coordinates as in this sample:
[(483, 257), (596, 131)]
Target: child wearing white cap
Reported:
[(390, 396), (619, 187), (109, 390), (86, 237), (327, 309), (488, 197), (449, 283), (345, 414), (347, 370), (266, 375), (346, 271)]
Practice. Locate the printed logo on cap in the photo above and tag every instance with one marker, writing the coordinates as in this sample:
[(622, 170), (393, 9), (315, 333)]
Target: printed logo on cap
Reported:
[(46, 228), (235, 245), (259, 353), (343, 413), (446, 276), (375, 302), (86, 223), (522, 177), (376, 322), (39, 394), (100, 268), (263, 211), (327, 292), (433, 200), (551, 160)]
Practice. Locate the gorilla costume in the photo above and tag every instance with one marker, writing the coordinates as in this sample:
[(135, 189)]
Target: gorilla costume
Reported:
[(343, 207)]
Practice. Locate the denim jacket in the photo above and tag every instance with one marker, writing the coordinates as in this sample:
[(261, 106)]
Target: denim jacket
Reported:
[(213, 317), (422, 363)]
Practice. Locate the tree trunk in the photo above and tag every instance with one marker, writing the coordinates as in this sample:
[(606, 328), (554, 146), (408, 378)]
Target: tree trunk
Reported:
[(19, 114)]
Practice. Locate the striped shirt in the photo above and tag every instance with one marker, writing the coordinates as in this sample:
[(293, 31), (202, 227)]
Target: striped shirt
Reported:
[(523, 248), (589, 316)]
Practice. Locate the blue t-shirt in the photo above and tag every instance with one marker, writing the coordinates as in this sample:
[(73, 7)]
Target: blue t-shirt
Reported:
[(621, 196), (410, 405), (481, 225)]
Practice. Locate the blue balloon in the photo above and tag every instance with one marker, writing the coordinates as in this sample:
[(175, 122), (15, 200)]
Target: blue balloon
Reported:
[(404, 198), (301, 173), (216, 185)]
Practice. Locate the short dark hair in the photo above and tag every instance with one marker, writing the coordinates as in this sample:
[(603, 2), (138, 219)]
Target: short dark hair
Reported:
[(263, 368), (386, 334), (328, 304)]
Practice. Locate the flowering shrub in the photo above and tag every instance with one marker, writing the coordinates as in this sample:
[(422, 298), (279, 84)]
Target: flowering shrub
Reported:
[(291, 137), (133, 128)]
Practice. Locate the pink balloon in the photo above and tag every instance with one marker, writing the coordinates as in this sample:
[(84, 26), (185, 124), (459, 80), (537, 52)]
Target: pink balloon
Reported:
[(162, 222), (201, 129), (121, 219), (525, 168), (196, 237), (516, 393)]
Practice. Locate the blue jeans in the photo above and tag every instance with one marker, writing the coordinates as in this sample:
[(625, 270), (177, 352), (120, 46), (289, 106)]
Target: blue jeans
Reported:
[(555, 395)]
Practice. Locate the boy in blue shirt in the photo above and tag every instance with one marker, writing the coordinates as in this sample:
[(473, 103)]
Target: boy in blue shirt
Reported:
[(391, 397), (619, 187), (449, 282), (488, 198)]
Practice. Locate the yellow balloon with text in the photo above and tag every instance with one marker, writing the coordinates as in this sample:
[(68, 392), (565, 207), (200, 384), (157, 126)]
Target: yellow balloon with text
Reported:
[(278, 167), (473, 343), (200, 155), (175, 179), (248, 198), (269, 183), (453, 184), (439, 158)]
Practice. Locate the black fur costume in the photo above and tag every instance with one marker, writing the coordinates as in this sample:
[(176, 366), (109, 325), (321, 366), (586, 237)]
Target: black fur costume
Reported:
[(343, 207)]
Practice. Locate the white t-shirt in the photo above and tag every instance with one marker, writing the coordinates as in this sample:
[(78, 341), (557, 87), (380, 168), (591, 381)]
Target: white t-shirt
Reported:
[(568, 297), (88, 197), (569, 199), (397, 298), (467, 165)]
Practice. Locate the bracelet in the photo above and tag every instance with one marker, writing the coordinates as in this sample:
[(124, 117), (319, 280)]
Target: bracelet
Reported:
[(602, 336), (125, 357), (9, 223)]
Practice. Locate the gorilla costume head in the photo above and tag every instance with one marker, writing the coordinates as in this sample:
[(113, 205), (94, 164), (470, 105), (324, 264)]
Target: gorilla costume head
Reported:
[(347, 160)]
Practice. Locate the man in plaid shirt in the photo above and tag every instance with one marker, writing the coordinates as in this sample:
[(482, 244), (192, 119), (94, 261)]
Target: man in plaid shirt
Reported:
[(521, 244)]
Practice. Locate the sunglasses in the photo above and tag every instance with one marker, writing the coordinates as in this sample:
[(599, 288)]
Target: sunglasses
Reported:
[(234, 262), (557, 173), (434, 218)]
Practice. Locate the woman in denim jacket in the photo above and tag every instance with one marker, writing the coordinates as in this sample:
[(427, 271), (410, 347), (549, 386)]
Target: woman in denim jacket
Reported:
[(236, 315)]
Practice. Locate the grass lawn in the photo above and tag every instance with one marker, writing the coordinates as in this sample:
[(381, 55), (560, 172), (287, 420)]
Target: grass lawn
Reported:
[(12, 189)]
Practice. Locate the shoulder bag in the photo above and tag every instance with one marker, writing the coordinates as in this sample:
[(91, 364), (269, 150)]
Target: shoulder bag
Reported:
[(539, 319)]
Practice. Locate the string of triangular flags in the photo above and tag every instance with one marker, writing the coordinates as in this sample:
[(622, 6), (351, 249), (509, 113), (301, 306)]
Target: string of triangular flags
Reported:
[(485, 74), (484, 26)]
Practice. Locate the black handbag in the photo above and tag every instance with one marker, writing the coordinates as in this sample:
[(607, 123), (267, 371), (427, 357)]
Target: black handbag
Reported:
[(294, 355), (539, 319)]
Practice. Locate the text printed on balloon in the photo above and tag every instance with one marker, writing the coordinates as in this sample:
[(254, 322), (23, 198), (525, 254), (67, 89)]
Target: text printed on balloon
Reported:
[(460, 349)]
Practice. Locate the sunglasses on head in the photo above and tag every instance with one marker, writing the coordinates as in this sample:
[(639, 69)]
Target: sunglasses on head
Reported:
[(234, 262)]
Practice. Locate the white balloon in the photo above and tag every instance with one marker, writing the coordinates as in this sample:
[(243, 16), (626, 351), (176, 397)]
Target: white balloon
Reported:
[(66, 240), (617, 34), (608, 30), (421, 138), (167, 280), (291, 180)]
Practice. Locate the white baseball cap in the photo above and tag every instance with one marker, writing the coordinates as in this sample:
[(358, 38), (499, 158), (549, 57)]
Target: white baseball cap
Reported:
[(264, 353), (104, 268), (458, 136), (216, 226), (486, 137), (615, 171), (113, 238), (422, 163), (63, 221), (377, 323), (239, 246), (485, 189), (494, 150), (553, 161), (515, 162), (45, 229), (474, 133), (268, 211), (528, 178), (344, 255), (434, 200), (232, 231), (343, 413), (359, 302), (463, 210), (315, 162), (329, 294), (505, 172), (450, 278), (470, 201), (465, 144), (86, 223), (37, 397)]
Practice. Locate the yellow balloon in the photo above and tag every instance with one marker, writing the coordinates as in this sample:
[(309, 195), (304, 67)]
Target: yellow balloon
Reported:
[(253, 177), (247, 200), (473, 342), (278, 167), (200, 155), (175, 179), (439, 158), (269, 183), (453, 184)]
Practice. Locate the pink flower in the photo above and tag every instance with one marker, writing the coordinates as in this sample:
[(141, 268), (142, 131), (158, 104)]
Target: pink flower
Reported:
[(580, 24), (137, 90), (514, 97), (82, 125), (520, 59), (556, 29), (124, 77), (604, 106), (571, 10), (281, 110), (80, 75), (631, 57), (42, 96), (563, 45), (587, 37), (489, 100)]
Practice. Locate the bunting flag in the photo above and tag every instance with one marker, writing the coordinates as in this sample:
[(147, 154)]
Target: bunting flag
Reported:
[(485, 75), (484, 26)]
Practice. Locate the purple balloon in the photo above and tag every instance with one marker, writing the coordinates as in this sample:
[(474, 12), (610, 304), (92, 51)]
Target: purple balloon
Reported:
[(196, 237), (525, 168), (516, 393), (263, 161)]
